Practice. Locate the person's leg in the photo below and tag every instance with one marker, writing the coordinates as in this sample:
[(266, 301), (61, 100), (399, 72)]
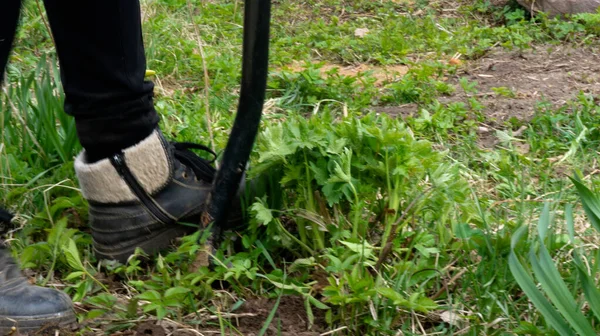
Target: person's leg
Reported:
[(139, 185), (9, 16), (23, 305), (102, 61)]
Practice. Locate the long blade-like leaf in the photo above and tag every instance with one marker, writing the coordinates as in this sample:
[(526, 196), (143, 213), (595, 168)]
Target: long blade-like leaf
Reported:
[(592, 294), (535, 296), (552, 282), (570, 222), (544, 222), (269, 319), (555, 288), (590, 203)]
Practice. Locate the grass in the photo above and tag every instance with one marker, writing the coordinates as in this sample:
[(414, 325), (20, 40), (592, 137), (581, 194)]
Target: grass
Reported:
[(379, 225)]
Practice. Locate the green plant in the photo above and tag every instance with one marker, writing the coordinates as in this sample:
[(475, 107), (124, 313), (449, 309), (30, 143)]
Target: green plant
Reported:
[(504, 91), (163, 303), (562, 311), (33, 121), (380, 224)]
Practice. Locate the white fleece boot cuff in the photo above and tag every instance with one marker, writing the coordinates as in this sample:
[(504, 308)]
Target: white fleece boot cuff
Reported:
[(148, 162)]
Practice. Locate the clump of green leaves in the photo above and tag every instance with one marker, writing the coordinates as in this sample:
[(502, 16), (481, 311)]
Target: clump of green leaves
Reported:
[(347, 181), (421, 84)]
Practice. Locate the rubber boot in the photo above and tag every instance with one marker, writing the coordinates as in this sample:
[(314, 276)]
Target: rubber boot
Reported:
[(146, 196), (25, 307)]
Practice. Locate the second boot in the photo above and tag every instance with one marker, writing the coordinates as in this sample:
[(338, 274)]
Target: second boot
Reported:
[(25, 307)]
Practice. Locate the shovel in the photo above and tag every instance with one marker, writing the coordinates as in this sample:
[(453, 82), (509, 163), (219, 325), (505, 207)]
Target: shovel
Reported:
[(255, 61)]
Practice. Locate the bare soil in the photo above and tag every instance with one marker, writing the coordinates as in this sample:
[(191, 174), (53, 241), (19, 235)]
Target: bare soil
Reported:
[(381, 74), (290, 319), (549, 74)]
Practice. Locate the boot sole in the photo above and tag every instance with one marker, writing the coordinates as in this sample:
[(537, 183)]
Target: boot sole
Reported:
[(26, 324), (160, 241)]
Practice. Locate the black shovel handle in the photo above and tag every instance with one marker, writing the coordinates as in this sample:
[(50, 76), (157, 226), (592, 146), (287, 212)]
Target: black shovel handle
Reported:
[(255, 62)]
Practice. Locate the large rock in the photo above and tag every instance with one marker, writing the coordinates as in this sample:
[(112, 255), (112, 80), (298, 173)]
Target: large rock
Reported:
[(558, 7)]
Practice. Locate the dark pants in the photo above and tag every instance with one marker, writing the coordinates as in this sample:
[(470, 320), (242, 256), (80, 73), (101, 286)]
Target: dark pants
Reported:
[(102, 62)]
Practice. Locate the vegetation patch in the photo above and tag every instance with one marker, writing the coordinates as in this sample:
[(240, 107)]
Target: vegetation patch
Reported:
[(423, 167)]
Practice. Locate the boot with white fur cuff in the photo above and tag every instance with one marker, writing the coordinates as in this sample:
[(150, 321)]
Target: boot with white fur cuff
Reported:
[(144, 196)]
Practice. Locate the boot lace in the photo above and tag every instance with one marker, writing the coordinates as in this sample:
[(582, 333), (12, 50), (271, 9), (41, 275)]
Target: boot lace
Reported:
[(202, 168)]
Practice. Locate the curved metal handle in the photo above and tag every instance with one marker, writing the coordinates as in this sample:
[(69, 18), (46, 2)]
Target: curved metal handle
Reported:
[(255, 63)]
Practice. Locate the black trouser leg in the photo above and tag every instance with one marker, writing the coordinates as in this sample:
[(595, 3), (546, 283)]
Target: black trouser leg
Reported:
[(102, 62), (9, 16)]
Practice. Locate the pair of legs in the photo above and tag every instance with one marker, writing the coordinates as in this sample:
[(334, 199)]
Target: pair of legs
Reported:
[(102, 63)]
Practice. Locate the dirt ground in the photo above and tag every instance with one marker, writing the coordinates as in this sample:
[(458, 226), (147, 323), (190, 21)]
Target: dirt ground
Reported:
[(290, 319), (550, 74)]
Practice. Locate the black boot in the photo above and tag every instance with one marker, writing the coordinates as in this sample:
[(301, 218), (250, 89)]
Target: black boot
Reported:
[(26, 307), (145, 195)]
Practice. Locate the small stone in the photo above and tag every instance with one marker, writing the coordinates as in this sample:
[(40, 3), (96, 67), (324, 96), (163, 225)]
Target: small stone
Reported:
[(452, 318), (361, 32)]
